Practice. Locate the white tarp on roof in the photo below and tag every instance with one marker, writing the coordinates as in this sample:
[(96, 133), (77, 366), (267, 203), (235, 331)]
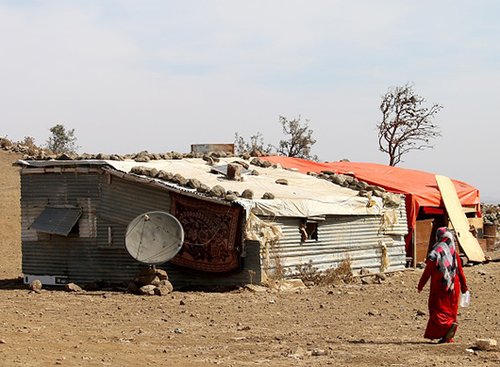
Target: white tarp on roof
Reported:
[(304, 196)]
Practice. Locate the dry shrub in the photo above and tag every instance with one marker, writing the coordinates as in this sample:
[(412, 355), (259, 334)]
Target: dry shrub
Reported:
[(342, 274), (29, 143), (278, 272), (308, 273)]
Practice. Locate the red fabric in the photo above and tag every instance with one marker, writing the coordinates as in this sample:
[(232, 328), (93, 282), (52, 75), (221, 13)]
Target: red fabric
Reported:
[(420, 188), (443, 306)]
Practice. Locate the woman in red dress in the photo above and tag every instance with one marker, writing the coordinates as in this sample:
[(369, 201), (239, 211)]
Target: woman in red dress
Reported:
[(444, 267)]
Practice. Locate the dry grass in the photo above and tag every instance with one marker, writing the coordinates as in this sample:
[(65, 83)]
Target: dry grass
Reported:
[(342, 274), (275, 270)]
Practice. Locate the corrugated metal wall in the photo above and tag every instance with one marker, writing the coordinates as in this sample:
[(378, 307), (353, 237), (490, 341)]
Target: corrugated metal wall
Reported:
[(46, 254), (358, 237), (109, 203), (98, 254)]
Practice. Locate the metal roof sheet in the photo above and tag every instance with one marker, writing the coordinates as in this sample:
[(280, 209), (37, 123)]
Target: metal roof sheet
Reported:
[(56, 220)]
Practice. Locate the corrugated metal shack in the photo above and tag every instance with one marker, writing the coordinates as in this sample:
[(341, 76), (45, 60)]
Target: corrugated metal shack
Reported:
[(75, 214)]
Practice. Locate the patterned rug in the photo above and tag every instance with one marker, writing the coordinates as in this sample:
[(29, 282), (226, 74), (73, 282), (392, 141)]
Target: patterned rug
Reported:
[(211, 241)]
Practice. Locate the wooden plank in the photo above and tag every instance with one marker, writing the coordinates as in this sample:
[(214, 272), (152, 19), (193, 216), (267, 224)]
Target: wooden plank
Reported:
[(467, 241), (423, 234)]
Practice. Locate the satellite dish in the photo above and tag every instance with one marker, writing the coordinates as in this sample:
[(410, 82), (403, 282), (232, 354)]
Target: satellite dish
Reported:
[(154, 237)]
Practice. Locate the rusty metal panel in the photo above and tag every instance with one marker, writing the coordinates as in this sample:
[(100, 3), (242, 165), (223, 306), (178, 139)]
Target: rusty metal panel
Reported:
[(357, 237)]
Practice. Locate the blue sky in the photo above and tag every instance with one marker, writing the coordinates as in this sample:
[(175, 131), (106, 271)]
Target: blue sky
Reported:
[(161, 75)]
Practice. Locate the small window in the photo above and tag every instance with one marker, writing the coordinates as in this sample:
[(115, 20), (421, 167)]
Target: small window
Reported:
[(308, 231), (58, 220)]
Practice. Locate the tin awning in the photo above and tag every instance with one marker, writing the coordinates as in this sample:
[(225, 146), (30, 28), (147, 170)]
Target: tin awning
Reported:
[(57, 220)]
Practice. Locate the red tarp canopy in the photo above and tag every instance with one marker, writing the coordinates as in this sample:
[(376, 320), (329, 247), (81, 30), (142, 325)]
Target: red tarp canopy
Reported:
[(420, 188)]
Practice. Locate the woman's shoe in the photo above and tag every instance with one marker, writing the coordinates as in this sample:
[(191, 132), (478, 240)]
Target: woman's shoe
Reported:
[(451, 333)]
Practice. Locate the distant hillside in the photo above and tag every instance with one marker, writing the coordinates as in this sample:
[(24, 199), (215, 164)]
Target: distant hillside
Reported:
[(10, 217)]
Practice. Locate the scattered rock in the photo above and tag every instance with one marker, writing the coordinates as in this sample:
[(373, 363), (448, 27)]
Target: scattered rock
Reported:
[(36, 286), (391, 200), (486, 344), (247, 194), (156, 281), (66, 157), (146, 276), (179, 179), (115, 157), (367, 280), (208, 159), (364, 271), (179, 330), (234, 171), (319, 352), (2, 341), (140, 170), (218, 191), (147, 290), (281, 181), (162, 274), (153, 172), (256, 162), (203, 189), (298, 353), (245, 165), (421, 313), (72, 287), (142, 158), (164, 288), (268, 196), (176, 155), (194, 183), (231, 197)]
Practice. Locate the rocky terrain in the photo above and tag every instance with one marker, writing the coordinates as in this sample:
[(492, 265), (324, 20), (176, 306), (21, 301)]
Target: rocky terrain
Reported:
[(371, 323)]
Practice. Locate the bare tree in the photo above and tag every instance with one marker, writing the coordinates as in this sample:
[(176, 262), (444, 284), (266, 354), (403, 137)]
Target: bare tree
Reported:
[(62, 140), (406, 124), (299, 139), (255, 147)]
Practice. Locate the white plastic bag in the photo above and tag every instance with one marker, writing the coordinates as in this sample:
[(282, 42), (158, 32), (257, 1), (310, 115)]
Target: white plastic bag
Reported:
[(465, 299)]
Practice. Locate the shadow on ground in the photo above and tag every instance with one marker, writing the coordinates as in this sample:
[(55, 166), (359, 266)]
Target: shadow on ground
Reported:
[(14, 283)]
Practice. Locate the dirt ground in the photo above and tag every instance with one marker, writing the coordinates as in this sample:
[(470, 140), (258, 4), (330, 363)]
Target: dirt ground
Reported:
[(357, 325)]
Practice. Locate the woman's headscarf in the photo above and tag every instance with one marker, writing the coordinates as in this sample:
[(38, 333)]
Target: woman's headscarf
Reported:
[(443, 255)]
